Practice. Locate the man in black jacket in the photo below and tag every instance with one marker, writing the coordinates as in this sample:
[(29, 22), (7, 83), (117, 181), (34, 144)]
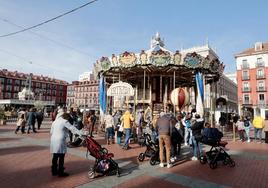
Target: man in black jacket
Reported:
[(197, 127)]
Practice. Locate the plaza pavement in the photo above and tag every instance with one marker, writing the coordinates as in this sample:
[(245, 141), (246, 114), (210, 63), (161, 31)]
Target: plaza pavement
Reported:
[(25, 162)]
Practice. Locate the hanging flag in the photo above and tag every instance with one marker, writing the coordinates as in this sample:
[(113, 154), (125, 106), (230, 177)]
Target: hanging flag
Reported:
[(200, 94), (102, 96)]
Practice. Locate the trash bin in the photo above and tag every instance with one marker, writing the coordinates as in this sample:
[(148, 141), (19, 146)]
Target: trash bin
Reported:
[(266, 137)]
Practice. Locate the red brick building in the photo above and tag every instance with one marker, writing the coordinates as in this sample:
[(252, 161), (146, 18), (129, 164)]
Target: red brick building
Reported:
[(83, 94), (252, 69), (44, 88)]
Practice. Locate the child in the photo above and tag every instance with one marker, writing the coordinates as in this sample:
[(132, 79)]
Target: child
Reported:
[(21, 124)]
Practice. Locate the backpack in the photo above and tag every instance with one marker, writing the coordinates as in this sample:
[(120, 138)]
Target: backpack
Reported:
[(187, 123), (246, 123)]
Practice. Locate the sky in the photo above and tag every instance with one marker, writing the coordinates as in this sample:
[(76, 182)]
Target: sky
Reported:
[(70, 45)]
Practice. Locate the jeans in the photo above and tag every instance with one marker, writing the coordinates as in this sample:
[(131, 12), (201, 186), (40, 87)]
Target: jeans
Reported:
[(247, 129), (110, 132), (187, 135), (58, 158), (164, 140), (241, 134), (197, 147), (175, 148), (256, 131), (31, 127), (128, 132)]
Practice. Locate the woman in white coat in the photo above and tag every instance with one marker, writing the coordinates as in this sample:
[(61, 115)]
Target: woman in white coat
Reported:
[(58, 146)]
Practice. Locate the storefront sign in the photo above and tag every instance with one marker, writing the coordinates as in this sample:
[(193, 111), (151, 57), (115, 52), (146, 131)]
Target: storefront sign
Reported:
[(120, 89)]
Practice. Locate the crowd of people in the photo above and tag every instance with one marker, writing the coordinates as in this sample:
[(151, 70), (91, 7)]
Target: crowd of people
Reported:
[(245, 124), (27, 119), (171, 132)]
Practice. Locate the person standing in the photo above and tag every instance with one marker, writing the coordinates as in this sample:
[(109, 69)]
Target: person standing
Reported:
[(258, 123), (164, 129), (58, 146), (197, 127), (117, 124), (92, 121), (266, 131), (31, 119), (176, 137), (187, 127), (109, 128), (139, 121), (247, 126), (241, 128), (127, 119), (39, 118)]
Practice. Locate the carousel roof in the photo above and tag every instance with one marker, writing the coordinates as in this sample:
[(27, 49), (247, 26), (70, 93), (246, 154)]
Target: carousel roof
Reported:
[(159, 61)]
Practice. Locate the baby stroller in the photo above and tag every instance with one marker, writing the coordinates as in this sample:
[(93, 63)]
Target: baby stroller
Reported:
[(216, 154), (152, 150), (104, 164)]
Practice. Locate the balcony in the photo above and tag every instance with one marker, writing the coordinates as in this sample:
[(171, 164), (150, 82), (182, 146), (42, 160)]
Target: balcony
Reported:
[(260, 64), (261, 76), (247, 102), (261, 89), (246, 89), (246, 77), (245, 66), (262, 103)]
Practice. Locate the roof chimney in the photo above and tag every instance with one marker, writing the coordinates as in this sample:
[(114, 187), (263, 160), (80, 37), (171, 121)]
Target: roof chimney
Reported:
[(258, 46)]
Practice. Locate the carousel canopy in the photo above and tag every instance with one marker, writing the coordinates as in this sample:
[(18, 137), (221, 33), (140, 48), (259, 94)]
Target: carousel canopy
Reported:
[(159, 61)]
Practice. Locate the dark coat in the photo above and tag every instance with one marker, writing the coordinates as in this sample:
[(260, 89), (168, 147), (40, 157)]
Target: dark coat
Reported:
[(197, 127), (31, 118)]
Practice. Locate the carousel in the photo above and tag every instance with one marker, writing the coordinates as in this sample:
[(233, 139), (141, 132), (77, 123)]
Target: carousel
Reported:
[(157, 80)]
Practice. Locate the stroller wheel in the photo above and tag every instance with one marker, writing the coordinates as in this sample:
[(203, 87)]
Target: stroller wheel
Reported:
[(213, 165), (231, 163), (91, 174), (118, 172), (141, 157), (203, 159), (152, 161)]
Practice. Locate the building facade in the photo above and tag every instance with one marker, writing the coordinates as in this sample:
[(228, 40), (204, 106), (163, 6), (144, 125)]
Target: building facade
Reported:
[(232, 76), (83, 94), (43, 87), (252, 68), (224, 92)]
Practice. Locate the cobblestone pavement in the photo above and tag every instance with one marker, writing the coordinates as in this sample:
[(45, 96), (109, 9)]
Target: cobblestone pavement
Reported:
[(25, 162)]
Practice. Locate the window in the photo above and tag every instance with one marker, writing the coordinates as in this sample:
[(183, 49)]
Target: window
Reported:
[(245, 64), (259, 60), (261, 86), (246, 86), (260, 72), (261, 97), (245, 75), (246, 98)]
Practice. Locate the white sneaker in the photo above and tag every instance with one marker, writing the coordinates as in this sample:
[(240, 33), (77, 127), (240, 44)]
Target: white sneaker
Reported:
[(186, 144), (248, 140), (161, 165), (172, 159), (194, 158), (169, 165)]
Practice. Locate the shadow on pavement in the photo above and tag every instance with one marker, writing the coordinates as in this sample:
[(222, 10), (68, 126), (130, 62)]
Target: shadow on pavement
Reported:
[(21, 149), (8, 139), (41, 176)]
